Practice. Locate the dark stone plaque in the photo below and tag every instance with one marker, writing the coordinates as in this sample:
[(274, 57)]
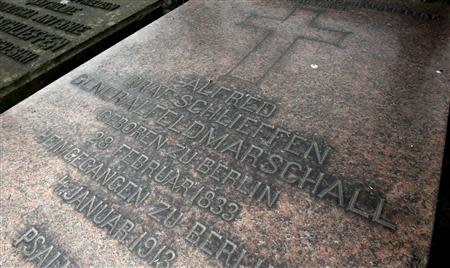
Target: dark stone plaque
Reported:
[(37, 37), (237, 134)]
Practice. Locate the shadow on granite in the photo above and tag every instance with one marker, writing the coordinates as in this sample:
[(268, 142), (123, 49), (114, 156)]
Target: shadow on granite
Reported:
[(441, 231)]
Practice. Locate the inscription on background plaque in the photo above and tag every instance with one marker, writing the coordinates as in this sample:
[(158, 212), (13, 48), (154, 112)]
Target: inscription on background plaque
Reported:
[(38, 36), (236, 134)]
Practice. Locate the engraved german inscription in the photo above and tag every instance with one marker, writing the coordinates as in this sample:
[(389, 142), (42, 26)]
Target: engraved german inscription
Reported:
[(291, 157), (118, 226), (54, 6), (236, 134), (97, 4), (35, 247), (35, 36), (19, 11), (16, 53)]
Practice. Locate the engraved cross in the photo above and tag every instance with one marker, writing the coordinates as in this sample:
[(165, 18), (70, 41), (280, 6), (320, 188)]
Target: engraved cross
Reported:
[(279, 37)]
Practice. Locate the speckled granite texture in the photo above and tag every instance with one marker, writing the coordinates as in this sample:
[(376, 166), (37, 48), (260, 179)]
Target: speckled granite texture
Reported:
[(337, 129)]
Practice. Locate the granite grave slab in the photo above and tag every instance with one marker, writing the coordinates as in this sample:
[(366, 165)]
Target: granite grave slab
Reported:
[(39, 37), (237, 134)]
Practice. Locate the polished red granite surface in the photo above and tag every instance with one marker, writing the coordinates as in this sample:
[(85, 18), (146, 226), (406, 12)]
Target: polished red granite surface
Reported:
[(231, 133)]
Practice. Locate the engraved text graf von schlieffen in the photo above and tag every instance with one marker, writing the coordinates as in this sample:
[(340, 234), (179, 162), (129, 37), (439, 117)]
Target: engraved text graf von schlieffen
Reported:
[(280, 34)]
